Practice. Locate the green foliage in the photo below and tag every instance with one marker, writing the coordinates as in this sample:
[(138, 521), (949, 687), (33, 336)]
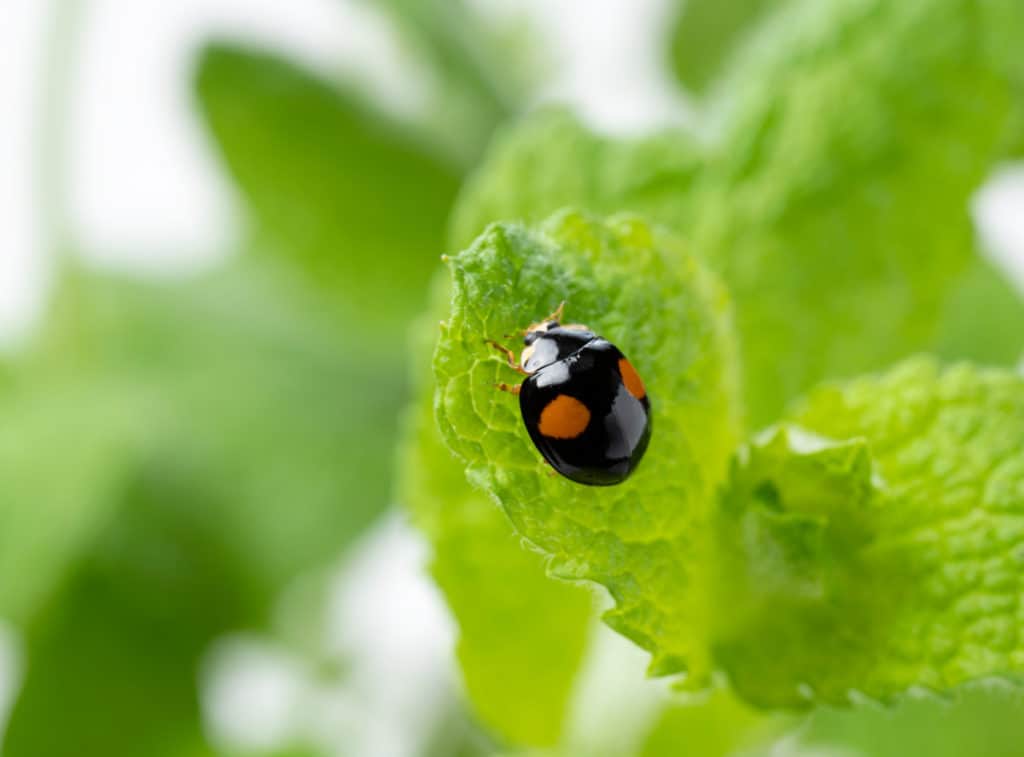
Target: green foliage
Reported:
[(356, 201), (982, 721), (116, 644), (172, 455), (983, 319), (822, 202), (868, 547), (206, 457), (819, 203), (549, 161), (706, 32), (718, 726), (875, 544), (671, 317), (521, 635)]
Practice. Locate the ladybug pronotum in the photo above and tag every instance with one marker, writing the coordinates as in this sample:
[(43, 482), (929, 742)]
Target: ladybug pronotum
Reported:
[(583, 403)]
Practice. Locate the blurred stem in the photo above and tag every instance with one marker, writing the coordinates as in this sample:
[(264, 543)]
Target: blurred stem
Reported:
[(60, 51)]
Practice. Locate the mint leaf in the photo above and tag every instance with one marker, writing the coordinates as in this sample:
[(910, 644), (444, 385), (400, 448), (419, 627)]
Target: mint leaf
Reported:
[(225, 369), (172, 455), (86, 430), (840, 223), (873, 545), (982, 720), (521, 634), (718, 726), (814, 206), (983, 319), (325, 178), (643, 539), (704, 34), (116, 647), (868, 544), (550, 161)]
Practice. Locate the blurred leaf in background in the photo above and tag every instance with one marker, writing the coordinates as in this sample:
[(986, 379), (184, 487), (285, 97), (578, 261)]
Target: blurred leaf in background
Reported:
[(349, 198), (172, 455), (247, 447), (983, 319), (714, 726), (821, 203), (214, 438), (705, 33), (982, 721), (114, 648)]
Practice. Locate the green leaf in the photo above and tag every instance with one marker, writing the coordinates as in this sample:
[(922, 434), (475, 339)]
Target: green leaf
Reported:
[(522, 634), (983, 319), (642, 539), (550, 161), (243, 372), (115, 649), (172, 456), (874, 545), (982, 721), (718, 726), (705, 33), (353, 199), (833, 200), (836, 204), (64, 450)]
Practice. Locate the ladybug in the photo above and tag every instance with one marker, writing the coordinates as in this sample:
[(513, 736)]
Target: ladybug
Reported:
[(583, 403)]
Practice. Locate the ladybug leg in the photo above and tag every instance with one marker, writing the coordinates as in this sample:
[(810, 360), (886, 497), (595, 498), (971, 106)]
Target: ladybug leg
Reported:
[(510, 356), (556, 316), (510, 388)]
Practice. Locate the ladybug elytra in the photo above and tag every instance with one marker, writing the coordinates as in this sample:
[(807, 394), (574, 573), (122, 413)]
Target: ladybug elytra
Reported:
[(584, 405)]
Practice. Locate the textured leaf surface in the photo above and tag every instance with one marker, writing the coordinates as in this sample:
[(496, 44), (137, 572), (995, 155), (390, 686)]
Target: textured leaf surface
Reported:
[(521, 633), (642, 539), (876, 544)]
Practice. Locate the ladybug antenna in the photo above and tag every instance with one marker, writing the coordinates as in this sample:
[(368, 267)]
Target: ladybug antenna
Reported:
[(557, 315)]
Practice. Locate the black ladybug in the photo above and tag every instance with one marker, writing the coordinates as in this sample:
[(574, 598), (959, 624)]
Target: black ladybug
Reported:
[(582, 401)]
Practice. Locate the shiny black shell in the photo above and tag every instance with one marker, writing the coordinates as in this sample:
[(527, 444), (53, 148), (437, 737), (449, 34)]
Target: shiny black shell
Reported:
[(578, 364)]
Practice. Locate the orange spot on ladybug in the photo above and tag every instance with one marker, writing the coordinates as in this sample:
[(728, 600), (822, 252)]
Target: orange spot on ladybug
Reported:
[(564, 417), (631, 379)]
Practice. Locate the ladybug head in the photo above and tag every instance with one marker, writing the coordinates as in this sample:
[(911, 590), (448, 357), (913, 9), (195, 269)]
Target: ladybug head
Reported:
[(537, 330)]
